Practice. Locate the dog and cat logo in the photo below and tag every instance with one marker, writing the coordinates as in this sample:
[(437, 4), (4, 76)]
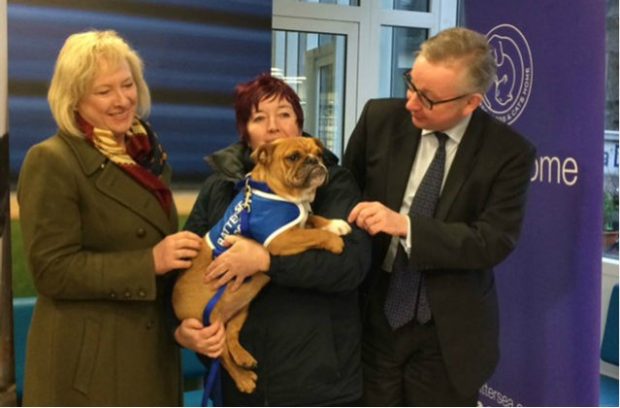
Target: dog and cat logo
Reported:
[(511, 90)]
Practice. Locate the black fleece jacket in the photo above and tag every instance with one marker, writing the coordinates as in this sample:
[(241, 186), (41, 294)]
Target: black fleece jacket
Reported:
[(304, 328)]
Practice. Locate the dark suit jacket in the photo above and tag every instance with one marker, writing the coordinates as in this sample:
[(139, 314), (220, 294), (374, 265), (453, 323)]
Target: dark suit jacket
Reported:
[(477, 224)]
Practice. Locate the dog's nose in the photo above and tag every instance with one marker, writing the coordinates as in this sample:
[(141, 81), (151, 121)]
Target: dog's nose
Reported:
[(311, 160)]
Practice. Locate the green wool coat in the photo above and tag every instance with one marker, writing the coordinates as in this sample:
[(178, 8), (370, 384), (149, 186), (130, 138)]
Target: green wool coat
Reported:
[(100, 333)]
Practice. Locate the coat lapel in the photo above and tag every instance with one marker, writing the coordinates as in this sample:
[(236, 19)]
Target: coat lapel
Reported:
[(402, 154), (118, 185), (464, 161)]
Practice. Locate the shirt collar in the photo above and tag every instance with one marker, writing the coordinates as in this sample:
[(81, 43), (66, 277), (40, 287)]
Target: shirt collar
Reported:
[(456, 132)]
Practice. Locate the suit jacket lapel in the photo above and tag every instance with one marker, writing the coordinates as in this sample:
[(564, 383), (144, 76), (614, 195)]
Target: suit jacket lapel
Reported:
[(118, 185), (464, 161), (402, 154)]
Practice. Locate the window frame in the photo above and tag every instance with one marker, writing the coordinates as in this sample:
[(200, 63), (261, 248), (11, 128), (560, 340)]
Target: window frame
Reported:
[(362, 25)]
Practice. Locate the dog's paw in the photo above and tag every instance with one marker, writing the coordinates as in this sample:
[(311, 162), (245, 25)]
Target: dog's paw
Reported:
[(338, 227), (335, 245), (242, 357), (246, 381)]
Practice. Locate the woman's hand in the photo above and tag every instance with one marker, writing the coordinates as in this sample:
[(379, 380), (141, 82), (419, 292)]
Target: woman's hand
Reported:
[(243, 258), (209, 340), (176, 251)]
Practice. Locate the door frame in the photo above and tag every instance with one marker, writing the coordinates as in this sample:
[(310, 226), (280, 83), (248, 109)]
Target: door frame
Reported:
[(351, 31)]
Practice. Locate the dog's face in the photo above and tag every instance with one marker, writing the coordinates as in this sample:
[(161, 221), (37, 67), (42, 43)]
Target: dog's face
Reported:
[(292, 167)]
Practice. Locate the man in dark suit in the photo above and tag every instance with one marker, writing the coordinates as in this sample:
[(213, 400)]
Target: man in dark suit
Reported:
[(431, 320)]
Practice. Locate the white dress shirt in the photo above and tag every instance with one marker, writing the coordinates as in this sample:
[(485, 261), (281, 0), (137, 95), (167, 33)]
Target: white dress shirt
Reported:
[(424, 156)]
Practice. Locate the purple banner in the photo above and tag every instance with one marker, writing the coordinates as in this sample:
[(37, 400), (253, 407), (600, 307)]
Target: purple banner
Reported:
[(550, 87)]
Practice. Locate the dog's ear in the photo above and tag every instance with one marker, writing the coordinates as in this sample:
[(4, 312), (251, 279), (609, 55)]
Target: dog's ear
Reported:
[(319, 144), (263, 154)]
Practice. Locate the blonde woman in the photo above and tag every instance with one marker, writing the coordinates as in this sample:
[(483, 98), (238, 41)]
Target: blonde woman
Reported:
[(99, 229)]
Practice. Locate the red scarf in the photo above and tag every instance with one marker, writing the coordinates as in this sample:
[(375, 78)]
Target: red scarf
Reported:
[(143, 157)]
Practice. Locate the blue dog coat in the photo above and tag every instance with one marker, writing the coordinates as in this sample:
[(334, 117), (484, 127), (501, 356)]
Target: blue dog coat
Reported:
[(257, 213)]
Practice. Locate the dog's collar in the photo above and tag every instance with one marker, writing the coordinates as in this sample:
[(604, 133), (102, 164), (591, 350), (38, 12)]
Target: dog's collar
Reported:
[(259, 185), (255, 185)]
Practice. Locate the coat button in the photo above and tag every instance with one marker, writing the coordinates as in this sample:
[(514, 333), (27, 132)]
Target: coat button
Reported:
[(127, 294), (113, 295), (141, 293), (140, 232)]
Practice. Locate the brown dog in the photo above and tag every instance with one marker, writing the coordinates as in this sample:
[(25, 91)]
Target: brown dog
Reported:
[(293, 170)]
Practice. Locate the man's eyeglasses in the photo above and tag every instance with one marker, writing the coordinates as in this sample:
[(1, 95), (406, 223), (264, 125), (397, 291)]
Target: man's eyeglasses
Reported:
[(427, 102)]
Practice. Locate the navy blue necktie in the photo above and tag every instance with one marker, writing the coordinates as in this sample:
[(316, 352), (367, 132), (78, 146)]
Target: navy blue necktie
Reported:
[(406, 296)]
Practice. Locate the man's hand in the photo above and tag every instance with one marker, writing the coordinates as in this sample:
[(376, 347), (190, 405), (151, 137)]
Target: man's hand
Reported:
[(374, 217), (243, 258)]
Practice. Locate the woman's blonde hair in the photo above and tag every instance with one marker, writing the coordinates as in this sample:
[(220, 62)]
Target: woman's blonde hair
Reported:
[(76, 66)]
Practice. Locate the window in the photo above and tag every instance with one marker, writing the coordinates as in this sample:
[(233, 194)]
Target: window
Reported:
[(337, 2), (337, 54), (410, 5), (610, 182), (398, 45), (313, 65)]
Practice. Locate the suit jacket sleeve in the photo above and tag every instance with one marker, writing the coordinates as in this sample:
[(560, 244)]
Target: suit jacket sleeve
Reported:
[(51, 220), (320, 269), (369, 153), (482, 204), (355, 154)]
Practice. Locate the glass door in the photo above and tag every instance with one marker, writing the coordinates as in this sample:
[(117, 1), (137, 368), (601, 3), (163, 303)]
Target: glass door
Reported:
[(313, 64), (338, 54)]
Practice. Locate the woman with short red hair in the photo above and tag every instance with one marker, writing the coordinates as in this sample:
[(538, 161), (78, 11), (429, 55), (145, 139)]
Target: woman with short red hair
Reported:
[(304, 328)]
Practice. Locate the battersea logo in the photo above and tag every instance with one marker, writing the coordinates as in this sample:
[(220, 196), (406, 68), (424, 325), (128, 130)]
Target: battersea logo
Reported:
[(512, 87)]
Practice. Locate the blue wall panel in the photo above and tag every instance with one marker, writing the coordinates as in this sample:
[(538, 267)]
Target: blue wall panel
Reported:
[(195, 52)]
